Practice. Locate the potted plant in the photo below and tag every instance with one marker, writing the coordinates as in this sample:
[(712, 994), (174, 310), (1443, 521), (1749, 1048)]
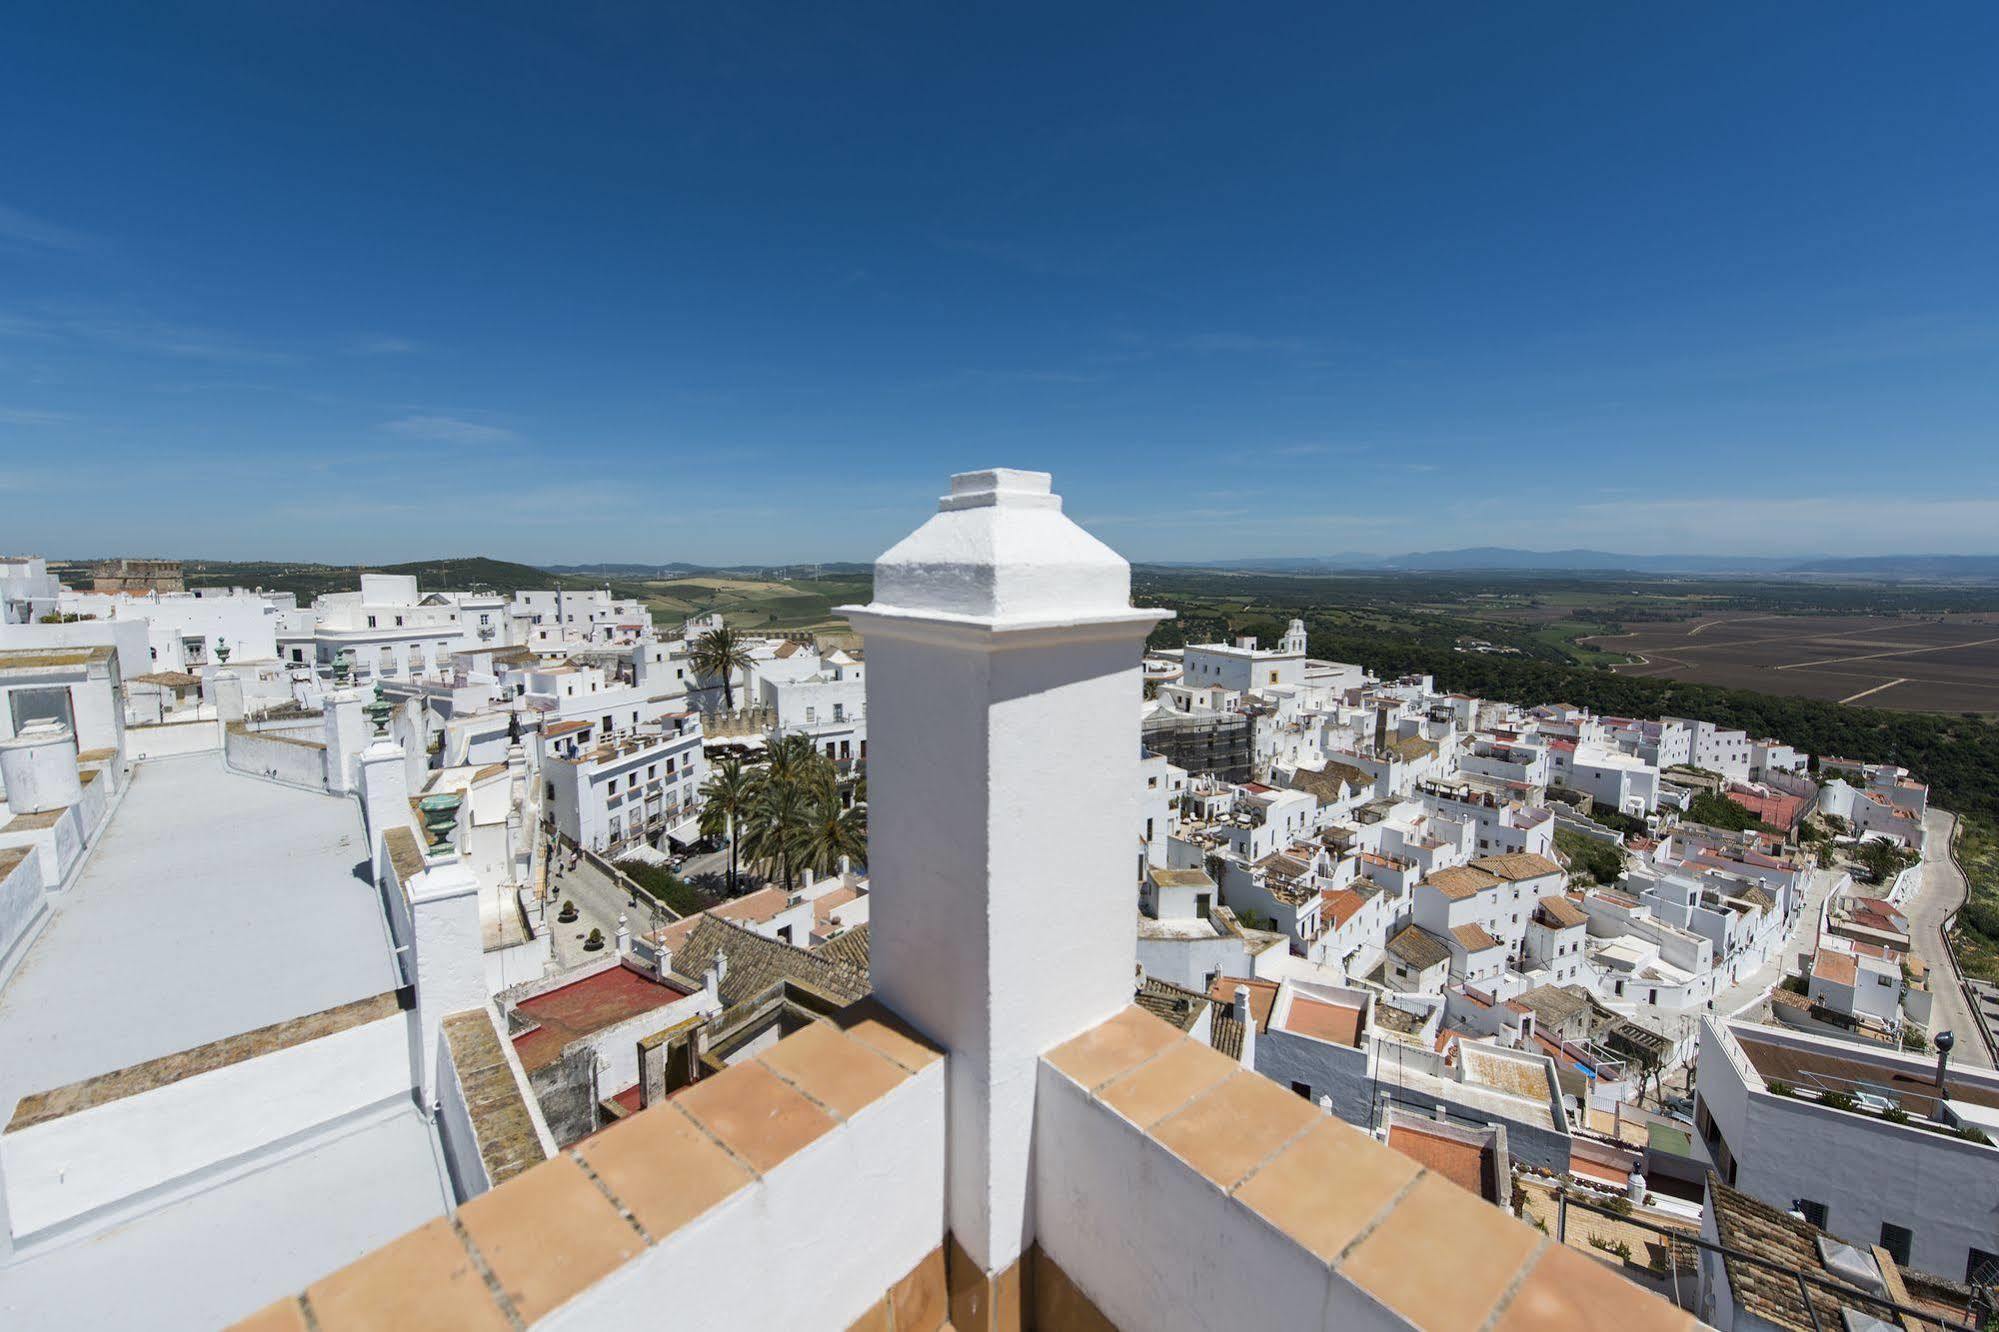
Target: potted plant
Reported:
[(567, 915), (594, 942)]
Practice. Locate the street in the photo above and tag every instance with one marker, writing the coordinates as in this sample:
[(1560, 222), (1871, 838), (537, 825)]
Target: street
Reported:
[(1803, 938), (599, 902), (1941, 892)]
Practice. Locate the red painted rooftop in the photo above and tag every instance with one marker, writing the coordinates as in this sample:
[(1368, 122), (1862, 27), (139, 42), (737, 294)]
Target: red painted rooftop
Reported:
[(587, 1005)]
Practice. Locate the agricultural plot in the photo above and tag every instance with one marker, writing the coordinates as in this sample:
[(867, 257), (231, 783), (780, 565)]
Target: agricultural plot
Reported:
[(1927, 663), (756, 605)]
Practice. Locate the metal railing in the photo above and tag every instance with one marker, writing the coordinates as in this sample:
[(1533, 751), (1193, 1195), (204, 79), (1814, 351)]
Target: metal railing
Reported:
[(1840, 1291)]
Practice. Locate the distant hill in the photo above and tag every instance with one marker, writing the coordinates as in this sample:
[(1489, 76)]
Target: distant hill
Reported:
[(451, 575), (659, 572), (1502, 559)]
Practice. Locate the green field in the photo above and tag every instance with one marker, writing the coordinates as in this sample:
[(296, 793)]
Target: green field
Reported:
[(788, 605)]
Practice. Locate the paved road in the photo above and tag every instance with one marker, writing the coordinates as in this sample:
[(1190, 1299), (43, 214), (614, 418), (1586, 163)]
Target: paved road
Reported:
[(599, 903), (1942, 890)]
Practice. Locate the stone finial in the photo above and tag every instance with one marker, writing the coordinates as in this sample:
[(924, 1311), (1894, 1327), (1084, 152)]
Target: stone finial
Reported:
[(1000, 551)]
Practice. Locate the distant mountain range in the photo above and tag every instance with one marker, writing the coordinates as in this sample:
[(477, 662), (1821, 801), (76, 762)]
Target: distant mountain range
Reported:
[(1489, 559), (835, 569)]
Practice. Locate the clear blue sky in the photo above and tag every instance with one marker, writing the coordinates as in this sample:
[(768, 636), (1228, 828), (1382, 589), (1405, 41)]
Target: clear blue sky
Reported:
[(733, 282)]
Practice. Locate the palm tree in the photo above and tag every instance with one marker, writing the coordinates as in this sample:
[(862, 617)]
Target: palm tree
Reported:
[(775, 830), (833, 829), (726, 798), (721, 651)]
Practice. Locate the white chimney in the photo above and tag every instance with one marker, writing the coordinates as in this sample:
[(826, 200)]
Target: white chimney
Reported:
[(624, 936), (1001, 646), (663, 961), (1247, 1017)]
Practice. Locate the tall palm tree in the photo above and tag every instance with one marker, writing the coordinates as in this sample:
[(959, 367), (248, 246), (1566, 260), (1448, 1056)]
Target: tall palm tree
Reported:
[(726, 797), (721, 651), (833, 830), (794, 758), (775, 830)]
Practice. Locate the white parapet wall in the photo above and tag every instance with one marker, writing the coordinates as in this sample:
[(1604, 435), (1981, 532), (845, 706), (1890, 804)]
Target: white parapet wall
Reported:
[(1155, 1245), (23, 904), (885, 1161), (169, 739), (77, 1161)]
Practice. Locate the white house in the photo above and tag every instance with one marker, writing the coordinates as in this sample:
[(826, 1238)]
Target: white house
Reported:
[(1862, 1141)]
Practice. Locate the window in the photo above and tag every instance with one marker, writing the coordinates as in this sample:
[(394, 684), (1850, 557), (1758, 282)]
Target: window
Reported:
[(399, 622), (1815, 1212), (1896, 1240), (1202, 905), (839, 712), (371, 622), (1980, 1267), (1304, 1089)]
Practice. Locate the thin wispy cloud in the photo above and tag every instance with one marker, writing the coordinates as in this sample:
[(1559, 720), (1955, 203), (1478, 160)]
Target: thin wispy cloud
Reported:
[(25, 229), (28, 416), (381, 346), (449, 430), (1245, 343), (139, 334)]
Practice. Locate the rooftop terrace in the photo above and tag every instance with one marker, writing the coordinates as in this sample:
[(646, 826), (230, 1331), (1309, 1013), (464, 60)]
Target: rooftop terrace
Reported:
[(213, 903)]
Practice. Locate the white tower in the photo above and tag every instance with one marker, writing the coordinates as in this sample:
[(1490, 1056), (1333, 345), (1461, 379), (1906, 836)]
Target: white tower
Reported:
[(1002, 691), (1294, 640)]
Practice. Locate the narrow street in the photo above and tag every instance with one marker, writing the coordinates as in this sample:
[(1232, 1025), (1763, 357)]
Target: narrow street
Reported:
[(1803, 938), (1941, 892)]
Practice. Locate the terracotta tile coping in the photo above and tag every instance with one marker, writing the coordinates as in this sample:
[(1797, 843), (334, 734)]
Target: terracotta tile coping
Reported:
[(40, 1107), (531, 1243), (1370, 1214), (501, 1122)]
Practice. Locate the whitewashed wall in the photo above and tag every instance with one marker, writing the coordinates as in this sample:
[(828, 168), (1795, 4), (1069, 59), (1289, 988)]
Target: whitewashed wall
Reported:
[(61, 1169)]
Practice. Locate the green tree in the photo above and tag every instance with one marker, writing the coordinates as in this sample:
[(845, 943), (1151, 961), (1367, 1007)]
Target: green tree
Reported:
[(777, 830), (726, 797), (721, 652), (836, 826)]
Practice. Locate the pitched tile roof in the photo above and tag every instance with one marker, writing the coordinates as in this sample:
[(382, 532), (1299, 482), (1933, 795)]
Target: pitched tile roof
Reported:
[(1756, 1228), (1171, 1003), (1461, 881), (849, 948), (1560, 913), (1419, 948), (757, 963), (1473, 938), (1517, 865)]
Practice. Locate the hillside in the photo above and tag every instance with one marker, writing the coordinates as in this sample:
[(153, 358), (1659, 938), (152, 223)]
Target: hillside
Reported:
[(750, 601), (460, 574)]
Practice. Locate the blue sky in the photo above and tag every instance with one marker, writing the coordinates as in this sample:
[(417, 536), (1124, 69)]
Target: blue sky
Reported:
[(738, 283)]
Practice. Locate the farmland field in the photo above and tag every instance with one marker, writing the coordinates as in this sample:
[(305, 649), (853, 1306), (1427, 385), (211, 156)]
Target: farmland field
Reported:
[(1915, 663)]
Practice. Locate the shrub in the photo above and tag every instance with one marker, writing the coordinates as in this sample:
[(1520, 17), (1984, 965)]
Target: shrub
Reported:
[(664, 886), (1622, 1248), (1780, 1088), (1838, 1100), (595, 941), (1895, 1114)]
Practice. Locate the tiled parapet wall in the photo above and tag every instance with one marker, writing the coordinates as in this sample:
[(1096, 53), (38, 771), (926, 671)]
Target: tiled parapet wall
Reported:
[(792, 1190), (1177, 1190)]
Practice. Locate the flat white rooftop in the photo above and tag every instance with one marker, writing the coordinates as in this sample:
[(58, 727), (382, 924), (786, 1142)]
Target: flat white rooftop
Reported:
[(226, 1251), (213, 904)]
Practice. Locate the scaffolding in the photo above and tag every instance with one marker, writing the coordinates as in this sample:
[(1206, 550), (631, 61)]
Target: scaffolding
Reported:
[(1220, 743)]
